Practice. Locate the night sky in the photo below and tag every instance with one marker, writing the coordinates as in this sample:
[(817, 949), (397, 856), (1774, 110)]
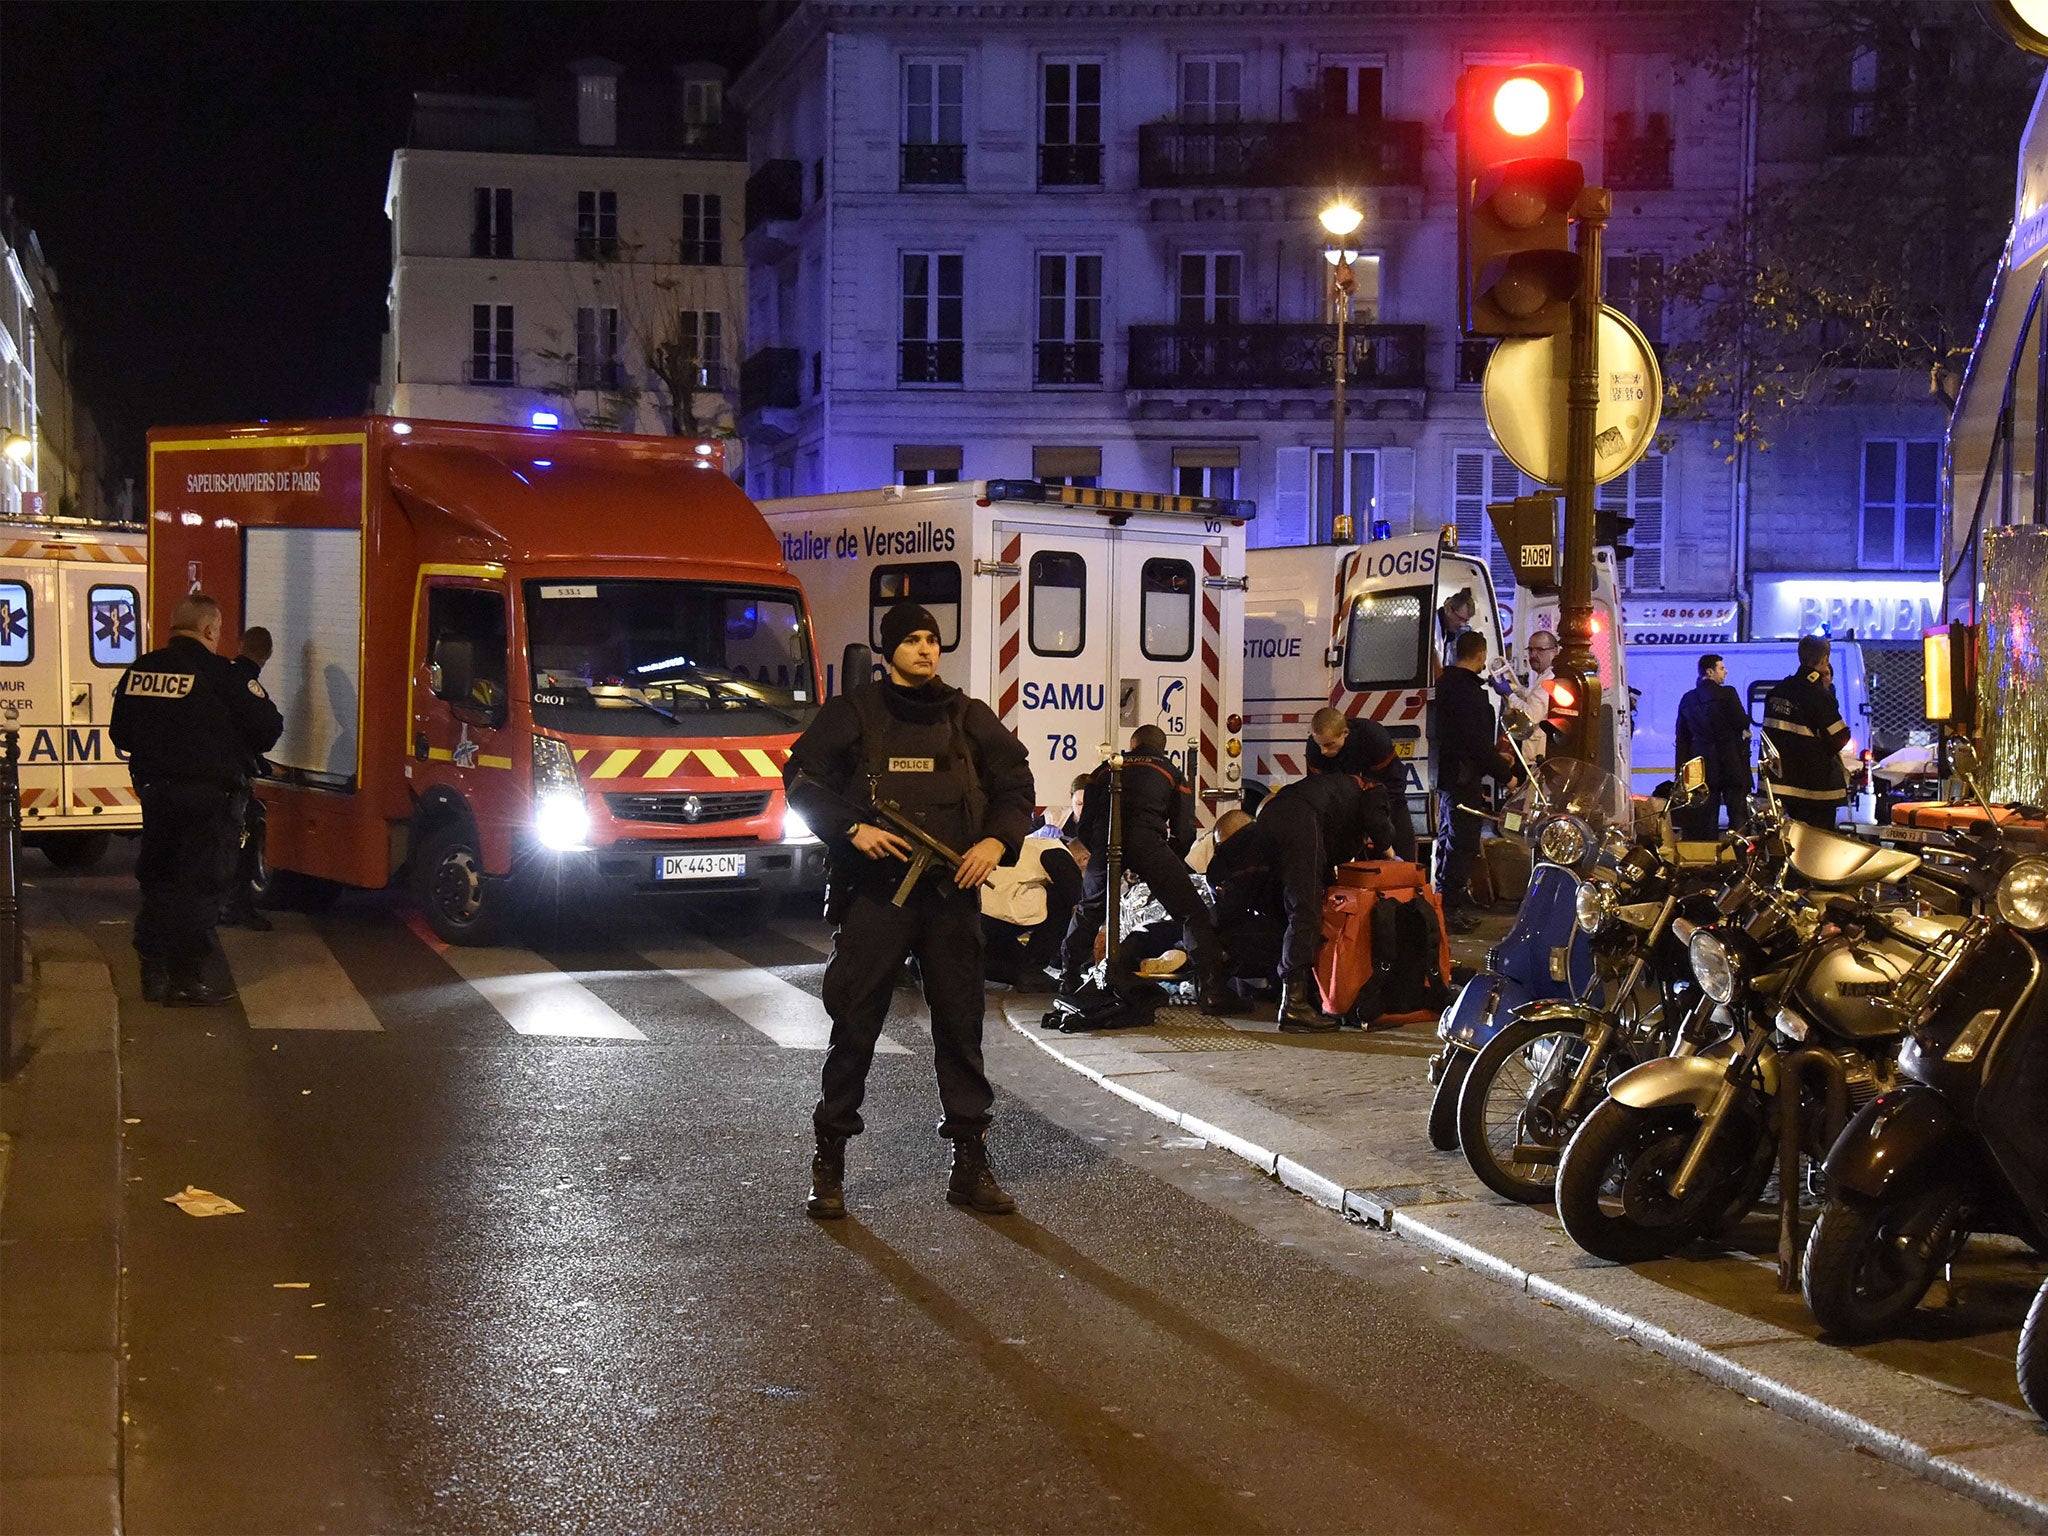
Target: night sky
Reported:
[(208, 180)]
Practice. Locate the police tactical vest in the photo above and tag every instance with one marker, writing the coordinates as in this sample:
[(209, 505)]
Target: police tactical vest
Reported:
[(926, 768)]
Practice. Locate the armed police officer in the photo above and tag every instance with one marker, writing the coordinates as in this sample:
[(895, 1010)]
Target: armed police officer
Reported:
[(1804, 722), (191, 725), (944, 761)]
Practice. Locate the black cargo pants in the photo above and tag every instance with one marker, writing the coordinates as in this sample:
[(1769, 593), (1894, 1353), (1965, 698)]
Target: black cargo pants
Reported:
[(191, 840), (1166, 875), (1301, 863), (941, 926)]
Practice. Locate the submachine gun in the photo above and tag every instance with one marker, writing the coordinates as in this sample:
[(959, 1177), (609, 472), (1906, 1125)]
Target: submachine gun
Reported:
[(1111, 996), (925, 850)]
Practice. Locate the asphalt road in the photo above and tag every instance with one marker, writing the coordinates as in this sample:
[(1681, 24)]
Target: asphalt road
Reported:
[(523, 1250)]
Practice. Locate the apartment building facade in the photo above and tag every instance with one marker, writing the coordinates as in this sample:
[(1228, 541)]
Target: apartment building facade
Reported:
[(572, 258)]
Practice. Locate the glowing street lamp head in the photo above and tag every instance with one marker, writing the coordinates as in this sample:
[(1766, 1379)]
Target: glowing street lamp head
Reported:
[(1341, 219), (1521, 106), (17, 448)]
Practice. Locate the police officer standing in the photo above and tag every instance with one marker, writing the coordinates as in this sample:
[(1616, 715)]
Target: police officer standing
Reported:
[(947, 762), (239, 909), (190, 726), (1804, 722)]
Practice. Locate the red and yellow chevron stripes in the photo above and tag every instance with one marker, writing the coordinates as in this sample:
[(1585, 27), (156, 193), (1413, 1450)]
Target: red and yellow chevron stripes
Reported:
[(681, 762), (1009, 632), (54, 549), (102, 795)]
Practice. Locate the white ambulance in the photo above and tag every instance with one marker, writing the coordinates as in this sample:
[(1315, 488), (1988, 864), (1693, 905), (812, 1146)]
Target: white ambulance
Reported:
[(1078, 613), (71, 620)]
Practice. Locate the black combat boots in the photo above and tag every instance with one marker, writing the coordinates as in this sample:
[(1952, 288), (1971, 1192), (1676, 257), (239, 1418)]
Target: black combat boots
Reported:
[(828, 1175), (1299, 1013), (156, 980), (972, 1185)]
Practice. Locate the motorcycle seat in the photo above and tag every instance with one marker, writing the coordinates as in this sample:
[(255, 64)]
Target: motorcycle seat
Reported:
[(1826, 858)]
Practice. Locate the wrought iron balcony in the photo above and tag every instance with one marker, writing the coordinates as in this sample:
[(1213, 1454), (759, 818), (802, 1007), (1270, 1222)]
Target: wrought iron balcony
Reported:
[(934, 165), (1069, 362), (776, 191), (1070, 165), (929, 362), (769, 380), (1274, 356), (1639, 165), (1323, 151)]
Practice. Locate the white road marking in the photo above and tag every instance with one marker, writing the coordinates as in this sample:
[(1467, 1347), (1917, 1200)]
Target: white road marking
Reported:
[(779, 1009), (289, 978), (814, 936), (534, 997)]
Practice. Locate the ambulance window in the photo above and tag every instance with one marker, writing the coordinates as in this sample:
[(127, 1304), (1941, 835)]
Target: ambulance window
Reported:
[(466, 638), (1388, 639), (116, 626), (932, 584), (1167, 610), (1059, 603), (17, 625)]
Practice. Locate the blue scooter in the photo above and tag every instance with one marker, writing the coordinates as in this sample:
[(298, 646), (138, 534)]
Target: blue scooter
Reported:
[(1546, 955)]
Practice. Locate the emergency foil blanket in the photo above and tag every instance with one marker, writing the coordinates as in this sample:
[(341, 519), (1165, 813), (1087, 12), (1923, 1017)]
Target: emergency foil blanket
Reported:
[(2013, 698)]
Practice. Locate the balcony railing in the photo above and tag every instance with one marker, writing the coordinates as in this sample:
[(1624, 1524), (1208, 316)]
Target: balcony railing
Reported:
[(769, 380), (482, 369), (1070, 165), (599, 376), (709, 377), (597, 247), (776, 191), (1069, 362), (929, 362), (934, 165), (1325, 151), (1639, 165), (701, 253), (1274, 356)]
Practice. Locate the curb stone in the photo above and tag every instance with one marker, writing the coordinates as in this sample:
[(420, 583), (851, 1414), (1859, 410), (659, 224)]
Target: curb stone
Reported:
[(1982, 1466)]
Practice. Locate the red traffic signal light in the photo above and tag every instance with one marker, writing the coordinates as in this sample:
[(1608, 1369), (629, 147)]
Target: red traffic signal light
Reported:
[(1517, 187)]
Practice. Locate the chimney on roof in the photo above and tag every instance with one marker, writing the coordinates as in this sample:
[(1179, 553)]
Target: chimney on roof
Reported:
[(597, 103)]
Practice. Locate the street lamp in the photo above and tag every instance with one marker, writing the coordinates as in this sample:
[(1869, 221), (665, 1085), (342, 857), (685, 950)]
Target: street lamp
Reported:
[(17, 448), (1340, 221)]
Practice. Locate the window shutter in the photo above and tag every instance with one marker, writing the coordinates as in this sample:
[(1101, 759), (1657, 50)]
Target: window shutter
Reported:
[(1646, 570), (1397, 487), (1505, 484), (1468, 499), (1288, 522)]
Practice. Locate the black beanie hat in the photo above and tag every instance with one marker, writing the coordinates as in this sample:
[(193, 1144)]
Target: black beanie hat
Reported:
[(902, 621)]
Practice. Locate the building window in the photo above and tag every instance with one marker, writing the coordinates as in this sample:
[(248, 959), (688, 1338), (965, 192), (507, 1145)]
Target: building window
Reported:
[(490, 345), (1365, 289), (1210, 282), (597, 348), (597, 110), (1640, 494), (703, 103), (116, 631), (1205, 470), (1639, 89), (1058, 602), (1634, 284), (931, 346), (1067, 466), (1480, 476), (597, 224), (1211, 90), (1351, 88), (1069, 319), (1901, 503), (490, 232), (1166, 610), (934, 126), (700, 344), (1070, 125), (1361, 489), (703, 229), (927, 464), (933, 585)]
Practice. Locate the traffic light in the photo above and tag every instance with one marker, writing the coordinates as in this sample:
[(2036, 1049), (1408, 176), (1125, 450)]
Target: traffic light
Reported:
[(1516, 188), (1610, 530)]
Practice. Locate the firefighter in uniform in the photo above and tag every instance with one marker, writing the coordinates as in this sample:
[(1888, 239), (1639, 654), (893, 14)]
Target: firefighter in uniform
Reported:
[(1158, 829), (947, 762), (190, 725), (1365, 749), (1804, 722)]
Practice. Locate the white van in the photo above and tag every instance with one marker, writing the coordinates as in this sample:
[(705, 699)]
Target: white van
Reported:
[(71, 620), (1662, 675), (1078, 613)]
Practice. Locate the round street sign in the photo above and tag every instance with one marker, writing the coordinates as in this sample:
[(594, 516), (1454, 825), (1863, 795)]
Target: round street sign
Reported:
[(1525, 395)]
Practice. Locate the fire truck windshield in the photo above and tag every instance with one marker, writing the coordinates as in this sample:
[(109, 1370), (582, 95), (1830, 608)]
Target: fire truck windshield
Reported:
[(630, 657)]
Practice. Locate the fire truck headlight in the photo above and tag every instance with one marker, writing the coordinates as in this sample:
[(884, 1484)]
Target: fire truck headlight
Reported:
[(561, 820), (795, 829)]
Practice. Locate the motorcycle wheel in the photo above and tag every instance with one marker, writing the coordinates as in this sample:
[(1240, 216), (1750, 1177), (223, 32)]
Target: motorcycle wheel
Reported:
[(1863, 1278), (1443, 1109), (1611, 1191), (2033, 1356), (1512, 1090)]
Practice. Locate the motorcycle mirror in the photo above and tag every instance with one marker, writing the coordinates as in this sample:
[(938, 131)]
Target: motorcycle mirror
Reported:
[(1963, 753)]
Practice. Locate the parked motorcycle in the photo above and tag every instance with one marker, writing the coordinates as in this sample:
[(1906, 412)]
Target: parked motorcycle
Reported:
[(1683, 1144)]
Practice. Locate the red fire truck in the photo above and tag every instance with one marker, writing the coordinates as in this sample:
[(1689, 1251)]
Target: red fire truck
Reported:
[(512, 663)]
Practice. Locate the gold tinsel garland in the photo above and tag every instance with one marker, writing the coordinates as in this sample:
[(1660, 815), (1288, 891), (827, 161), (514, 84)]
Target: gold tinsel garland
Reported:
[(2012, 704)]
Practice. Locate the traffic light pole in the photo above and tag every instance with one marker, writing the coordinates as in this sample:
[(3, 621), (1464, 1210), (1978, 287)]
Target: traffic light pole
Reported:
[(1576, 666)]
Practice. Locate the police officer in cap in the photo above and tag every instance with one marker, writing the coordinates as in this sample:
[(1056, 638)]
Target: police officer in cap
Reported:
[(190, 725), (947, 762), (1804, 722)]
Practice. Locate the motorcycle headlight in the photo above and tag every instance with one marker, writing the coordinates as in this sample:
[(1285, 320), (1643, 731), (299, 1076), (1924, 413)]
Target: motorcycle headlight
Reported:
[(2023, 895), (1594, 904), (1566, 841), (1713, 967)]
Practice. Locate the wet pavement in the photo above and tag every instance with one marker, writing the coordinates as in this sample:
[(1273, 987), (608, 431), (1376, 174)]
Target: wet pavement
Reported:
[(522, 1250)]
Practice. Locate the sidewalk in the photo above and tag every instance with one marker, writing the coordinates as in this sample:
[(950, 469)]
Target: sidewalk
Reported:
[(1340, 1119), (60, 1194)]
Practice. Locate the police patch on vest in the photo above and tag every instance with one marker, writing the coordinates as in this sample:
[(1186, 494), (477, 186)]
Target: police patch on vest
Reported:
[(158, 685), (911, 765)]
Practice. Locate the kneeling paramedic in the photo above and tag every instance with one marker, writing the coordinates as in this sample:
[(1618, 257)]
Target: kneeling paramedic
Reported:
[(946, 762), (191, 724)]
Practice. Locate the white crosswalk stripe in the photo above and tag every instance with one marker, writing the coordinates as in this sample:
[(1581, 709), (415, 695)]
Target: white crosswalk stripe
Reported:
[(779, 1009), (531, 995), (289, 979)]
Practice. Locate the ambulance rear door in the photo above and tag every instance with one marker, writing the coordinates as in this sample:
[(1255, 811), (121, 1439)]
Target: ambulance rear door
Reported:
[(1169, 624), (1051, 628), (101, 634), (32, 684)]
